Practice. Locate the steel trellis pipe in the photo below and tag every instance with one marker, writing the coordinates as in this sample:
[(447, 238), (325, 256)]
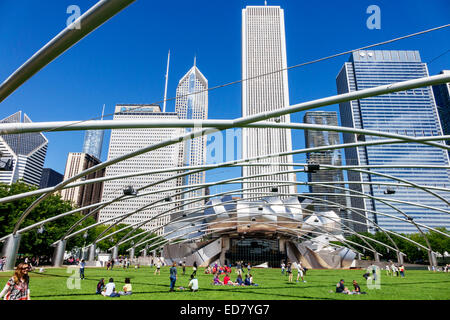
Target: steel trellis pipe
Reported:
[(98, 14), (215, 166), (400, 86)]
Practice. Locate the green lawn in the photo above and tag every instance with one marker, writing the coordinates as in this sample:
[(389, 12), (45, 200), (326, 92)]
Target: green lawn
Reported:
[(421, 285)]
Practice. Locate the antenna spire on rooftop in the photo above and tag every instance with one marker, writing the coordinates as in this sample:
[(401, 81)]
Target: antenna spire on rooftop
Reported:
[(103, 111), (195, 60), (167, 77)]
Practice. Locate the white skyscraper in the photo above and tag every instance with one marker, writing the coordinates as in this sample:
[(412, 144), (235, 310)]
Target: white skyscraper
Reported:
[(128, 140), (264, 51), (26, 151), (194, 107)]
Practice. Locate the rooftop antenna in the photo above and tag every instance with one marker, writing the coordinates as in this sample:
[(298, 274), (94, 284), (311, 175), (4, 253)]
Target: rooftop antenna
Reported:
[(167, 78), (195, 60), (103, 111)]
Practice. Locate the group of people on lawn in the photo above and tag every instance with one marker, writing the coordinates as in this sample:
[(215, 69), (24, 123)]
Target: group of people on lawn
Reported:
[(109, 289)]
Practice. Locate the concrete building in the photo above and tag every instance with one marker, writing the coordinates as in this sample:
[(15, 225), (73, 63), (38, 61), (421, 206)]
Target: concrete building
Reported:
[(85, 194), (264, 51), (129, 140)]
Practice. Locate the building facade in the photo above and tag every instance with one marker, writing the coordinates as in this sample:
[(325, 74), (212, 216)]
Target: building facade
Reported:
[(193, 106), (50, 178), (315, 138), (85, 194), (128, 140), (93, 141), (27, 152), (264, 51), (413, 113), (442, 96)]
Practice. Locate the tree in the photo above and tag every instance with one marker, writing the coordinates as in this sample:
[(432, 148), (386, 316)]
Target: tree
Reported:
[(36, 243), (438, 242)]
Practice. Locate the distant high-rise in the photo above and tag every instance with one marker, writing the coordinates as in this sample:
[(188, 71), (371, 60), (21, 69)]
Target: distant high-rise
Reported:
[(193, 106), (129, 140), (442, 96), (50, 178), (93, 141), (315, 138), (26, 151), (264, 51), (85, 194), (411, 112)]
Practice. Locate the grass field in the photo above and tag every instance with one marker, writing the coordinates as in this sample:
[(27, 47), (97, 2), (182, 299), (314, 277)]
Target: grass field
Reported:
[(417, 285)]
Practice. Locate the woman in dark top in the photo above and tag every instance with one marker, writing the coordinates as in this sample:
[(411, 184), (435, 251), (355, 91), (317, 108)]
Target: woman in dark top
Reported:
[(289, 271), (173, 276), (357, 289), (239, 280), (194, 268), (100, 286)]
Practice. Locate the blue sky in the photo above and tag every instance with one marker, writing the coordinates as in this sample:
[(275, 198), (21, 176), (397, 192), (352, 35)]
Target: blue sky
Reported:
[(124, 60)]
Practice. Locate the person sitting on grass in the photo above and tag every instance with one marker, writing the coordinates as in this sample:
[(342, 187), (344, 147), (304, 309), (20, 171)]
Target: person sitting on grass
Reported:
[(239, 281), (247, 280), (110, 289), (356, 288), (226, 280), (127, 289), (193, 284), (100, 286), (216, 280), (250, 277), (340, 288)]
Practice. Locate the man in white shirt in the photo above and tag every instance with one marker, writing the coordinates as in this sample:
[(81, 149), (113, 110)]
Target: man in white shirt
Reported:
[(193, 284), (300, 271), (110, 289)]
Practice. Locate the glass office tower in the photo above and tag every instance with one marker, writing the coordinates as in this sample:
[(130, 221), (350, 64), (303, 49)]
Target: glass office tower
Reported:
[(93, 141), (413, 113), (315, 138), (192, 104), (442, 96)]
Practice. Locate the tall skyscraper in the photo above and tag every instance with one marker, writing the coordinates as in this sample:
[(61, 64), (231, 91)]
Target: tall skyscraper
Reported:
[(26, 150), (314, 138), (442, 96), (129, 140), (50, 178), (413, 113), (194, 107), (264, 51), (93, 141), (86, 194)]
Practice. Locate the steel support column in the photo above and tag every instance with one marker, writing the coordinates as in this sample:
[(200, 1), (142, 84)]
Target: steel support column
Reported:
[(58, 255), (10, 249)]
